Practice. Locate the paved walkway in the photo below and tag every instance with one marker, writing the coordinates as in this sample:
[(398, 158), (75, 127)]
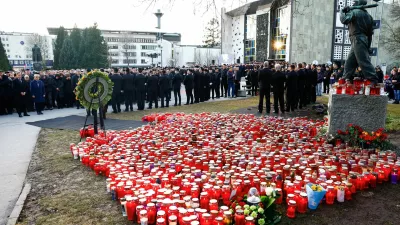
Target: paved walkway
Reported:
[(17, 142)]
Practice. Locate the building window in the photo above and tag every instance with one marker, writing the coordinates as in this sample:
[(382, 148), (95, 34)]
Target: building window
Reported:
[(143, 61), (144, 40), (113, 47), (114, 61), (149, 47), (114, 54), (133, 54), (143, 54), (131, 61), (8, 50), (129, 46), (112, 39), (8, 56)]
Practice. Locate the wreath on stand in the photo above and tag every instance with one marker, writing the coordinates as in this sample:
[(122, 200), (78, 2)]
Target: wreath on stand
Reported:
[(90, 90)]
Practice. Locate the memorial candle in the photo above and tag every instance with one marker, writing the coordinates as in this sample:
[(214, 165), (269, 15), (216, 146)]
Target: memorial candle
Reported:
[(239, 217)]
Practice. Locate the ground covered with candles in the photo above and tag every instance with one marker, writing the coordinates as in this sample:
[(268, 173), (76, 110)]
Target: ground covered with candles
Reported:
[(199, 167)]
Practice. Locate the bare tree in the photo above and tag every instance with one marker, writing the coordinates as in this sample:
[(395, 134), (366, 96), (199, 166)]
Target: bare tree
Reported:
[(41, 42), (391, 31), (127, 41), (198, 57), (212, 33)]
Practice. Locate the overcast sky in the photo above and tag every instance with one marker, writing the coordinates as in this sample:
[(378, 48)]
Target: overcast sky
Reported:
[(183, 17)]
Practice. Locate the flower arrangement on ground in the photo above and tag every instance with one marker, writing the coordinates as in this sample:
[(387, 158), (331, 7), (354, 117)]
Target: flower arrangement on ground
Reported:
[(261, 208), (355, 136)]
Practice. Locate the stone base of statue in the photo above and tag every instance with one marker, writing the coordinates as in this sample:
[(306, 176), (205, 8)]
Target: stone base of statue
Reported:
[(37, 66), (368, 112)]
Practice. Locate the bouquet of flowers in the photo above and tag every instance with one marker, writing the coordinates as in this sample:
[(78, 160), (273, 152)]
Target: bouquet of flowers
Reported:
[(264, 212), (315, 194), (357, 137)]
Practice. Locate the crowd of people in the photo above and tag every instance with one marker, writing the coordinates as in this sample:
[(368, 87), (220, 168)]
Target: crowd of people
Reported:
[(293, 86)]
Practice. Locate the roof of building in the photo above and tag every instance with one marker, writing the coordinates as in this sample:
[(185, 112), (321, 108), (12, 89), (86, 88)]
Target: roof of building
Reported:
[(175, 37), (252, 7)]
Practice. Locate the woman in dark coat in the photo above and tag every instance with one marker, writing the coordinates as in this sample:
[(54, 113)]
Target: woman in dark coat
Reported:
[(38, 93)]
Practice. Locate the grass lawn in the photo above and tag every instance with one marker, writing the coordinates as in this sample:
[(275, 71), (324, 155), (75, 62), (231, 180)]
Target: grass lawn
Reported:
[(63, 191), (211, 106)]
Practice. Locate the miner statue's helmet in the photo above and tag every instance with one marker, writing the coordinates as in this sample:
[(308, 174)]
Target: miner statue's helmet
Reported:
[(359, 2)]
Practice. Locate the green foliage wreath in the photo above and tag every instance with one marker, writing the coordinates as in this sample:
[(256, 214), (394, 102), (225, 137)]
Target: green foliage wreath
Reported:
[(86, 89)]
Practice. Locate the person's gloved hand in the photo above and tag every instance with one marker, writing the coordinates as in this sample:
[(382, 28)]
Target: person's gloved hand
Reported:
[(346, 9)]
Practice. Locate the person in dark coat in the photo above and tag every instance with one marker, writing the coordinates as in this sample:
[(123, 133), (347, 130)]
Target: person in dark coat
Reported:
[(231, 83), (278, 87), (8, 92), (49, 85), (164, 89), (207, 84), (254, 81), (170, 87), (28, 97), (20, 88), (176, 84), (116, 93), (140, 88), (5, 83), (264, 80), (189, 84), (59, 84), (197, 86), (379, 73), (68, 91), (327, 77), (38, 94), (224, 81), (74, 81), (128, 88), (152, 90), (313, 81), (291, 89), (216, 82), (301, 85)]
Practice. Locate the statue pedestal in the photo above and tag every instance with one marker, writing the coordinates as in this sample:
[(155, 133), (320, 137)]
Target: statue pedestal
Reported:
[(37, 66), (368, 112)]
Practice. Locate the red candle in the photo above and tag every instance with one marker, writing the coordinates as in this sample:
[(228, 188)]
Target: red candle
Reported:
[(130, 211), (204, 201), (302, 203), (213, 204), (348, 193), (151, 213), (239, 217), (330, 195), (372, 179), (291, 210)]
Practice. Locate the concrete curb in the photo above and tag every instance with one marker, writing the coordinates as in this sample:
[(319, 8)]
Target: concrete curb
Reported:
[(12, 219)]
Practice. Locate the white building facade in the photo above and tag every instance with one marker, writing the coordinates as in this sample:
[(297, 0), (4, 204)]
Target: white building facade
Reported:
[(18, 47)]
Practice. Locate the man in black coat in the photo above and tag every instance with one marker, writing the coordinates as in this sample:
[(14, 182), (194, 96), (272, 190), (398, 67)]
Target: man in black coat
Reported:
[(59, 85), (291, 89), (49, 86), (68, 91), (176, 84), (116, 93), (20, 88), (170, 88), (197, 79), (152, 90), (5, 83), (140, 87), (164, 89), (301, 85), (264, 80), (224, 81), (189, 83), (74, 80), (216, 81), (278, 87), (313, 81), (254, 81), (128, 88)]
